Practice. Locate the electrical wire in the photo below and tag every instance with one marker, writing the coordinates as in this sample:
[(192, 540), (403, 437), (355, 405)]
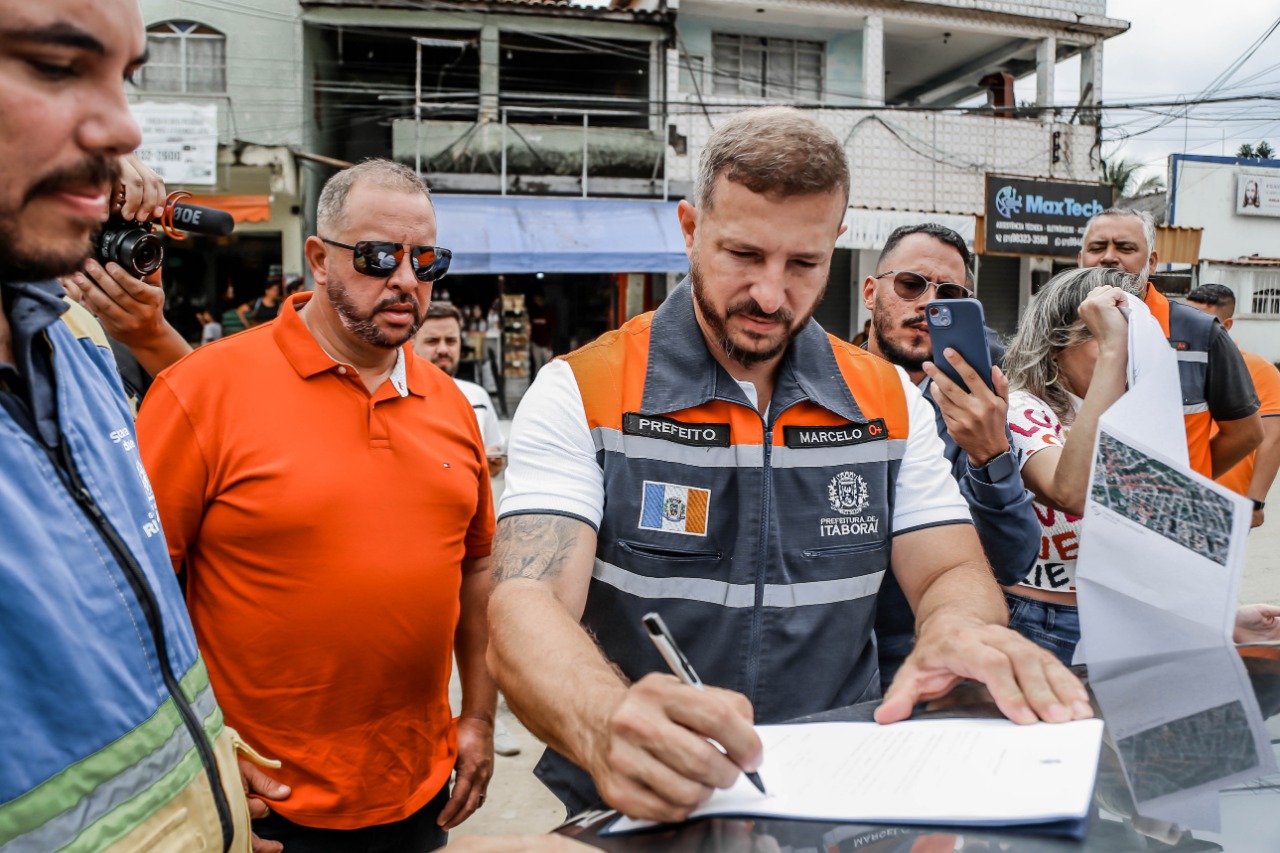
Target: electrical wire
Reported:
[(1117, 129)]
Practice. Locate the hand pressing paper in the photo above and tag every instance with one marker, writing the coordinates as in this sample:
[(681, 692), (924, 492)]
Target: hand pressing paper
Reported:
[(949, 772)]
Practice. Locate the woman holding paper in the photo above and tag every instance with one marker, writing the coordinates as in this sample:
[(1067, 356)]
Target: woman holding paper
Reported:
[(1066, 366)]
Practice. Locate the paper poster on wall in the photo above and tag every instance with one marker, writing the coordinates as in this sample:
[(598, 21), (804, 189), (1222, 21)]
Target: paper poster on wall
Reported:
[(179, 141)]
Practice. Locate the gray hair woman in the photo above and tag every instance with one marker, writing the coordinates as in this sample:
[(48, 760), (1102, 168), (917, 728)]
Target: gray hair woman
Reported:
[(1066, 366)]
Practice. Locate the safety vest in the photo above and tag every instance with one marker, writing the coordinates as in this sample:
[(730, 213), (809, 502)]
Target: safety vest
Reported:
[(1189, 331), (761, 540)]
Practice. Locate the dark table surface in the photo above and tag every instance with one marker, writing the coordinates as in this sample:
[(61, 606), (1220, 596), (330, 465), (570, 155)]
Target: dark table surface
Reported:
[(1250, 810)]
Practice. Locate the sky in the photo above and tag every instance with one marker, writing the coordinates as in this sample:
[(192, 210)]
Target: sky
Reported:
[(1175, 49)]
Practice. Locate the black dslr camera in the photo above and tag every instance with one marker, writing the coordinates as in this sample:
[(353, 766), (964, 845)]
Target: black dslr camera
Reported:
[(132, 245), (137, 247)]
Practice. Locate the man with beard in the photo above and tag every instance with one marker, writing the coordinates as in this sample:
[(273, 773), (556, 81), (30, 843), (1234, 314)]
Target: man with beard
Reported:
[(112, 738), (326, 494), (725, 461), (919, 263), (439, 341), (1216, 387)]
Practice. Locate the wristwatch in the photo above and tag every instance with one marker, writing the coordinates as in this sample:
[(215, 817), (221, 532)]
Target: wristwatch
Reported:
[(1257, 505), (1000, 467)]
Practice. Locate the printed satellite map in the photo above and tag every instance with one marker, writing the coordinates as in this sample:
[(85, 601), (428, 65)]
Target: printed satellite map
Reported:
[(1161, 499), (1188, 752)]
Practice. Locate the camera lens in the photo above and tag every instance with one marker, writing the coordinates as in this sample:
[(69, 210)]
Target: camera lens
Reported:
[(140, 251)]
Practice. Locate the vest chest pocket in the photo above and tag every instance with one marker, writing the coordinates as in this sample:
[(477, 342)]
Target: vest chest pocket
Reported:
[(842, 550), (667, 555), (855, 563)]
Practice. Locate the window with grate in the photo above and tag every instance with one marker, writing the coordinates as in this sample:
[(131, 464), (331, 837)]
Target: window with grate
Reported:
[(760, 67), (1266, 300), (184, 57), (693, 77)]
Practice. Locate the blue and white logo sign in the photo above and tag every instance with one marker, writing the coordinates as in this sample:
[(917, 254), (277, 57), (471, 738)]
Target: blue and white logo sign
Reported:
[(1033, 216), (1008, 202)]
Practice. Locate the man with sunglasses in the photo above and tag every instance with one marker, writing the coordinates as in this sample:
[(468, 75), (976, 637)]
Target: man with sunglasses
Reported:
[(920, 263), (327, 495)]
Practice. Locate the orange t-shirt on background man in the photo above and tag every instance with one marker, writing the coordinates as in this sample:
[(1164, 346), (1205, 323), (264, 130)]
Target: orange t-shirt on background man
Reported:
[(323, 531), (1266, 381)]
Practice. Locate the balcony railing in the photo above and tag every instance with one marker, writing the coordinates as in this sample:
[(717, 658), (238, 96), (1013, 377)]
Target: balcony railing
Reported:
[(542, 145)]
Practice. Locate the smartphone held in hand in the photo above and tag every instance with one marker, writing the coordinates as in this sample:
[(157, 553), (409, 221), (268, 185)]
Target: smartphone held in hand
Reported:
[(961, 325)]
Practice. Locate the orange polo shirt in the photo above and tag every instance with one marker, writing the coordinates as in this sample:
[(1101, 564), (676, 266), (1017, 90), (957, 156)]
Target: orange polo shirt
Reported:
[(323, 531), (1266, 381)]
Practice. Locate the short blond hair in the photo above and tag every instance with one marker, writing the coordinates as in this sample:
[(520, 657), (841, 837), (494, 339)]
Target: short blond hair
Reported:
[(774, 151)]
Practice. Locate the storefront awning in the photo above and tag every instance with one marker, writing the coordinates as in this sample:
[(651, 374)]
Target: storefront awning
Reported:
[(243, 208), (530, 235)]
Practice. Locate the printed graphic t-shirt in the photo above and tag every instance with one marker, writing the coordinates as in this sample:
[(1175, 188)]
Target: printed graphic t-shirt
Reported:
[(1033, 427)]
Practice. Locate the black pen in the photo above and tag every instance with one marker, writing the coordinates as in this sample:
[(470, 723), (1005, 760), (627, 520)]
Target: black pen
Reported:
[(680, 666)]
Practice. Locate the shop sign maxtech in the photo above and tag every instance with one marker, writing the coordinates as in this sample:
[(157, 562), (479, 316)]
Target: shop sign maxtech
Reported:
[(1028, 216)]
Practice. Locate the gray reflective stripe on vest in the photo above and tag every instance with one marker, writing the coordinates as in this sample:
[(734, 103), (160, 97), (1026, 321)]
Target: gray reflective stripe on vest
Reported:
[(1195, 408), (63, 829), (643, 447), (1185, 355), (737, 594), (825, 457), (744, 455)]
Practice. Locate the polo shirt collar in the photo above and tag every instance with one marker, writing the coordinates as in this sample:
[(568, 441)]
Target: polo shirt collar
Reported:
[(308, 358), (1159, 306), (682, 373)]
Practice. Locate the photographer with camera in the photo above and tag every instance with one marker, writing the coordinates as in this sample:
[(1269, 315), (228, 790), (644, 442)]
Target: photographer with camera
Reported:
[(120, 284), (131, 308)]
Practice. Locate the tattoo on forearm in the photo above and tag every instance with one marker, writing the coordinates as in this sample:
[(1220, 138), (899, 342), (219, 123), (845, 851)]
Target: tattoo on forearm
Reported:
[(533, 547)]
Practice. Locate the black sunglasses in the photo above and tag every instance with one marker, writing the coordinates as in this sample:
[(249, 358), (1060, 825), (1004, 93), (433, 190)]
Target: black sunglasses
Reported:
[(379, 258), (911, 285)]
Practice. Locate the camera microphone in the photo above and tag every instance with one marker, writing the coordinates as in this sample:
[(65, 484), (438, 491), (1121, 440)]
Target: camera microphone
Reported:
[(202, 220), (137, 247)]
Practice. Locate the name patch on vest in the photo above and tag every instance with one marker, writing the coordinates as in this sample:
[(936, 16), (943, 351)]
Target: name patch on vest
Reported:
[(1181, 346), (668, 429), (835, 436)]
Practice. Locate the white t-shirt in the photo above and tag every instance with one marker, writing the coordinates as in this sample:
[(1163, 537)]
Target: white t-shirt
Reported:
[(490, 430), (553, 464), (210, 331), (1033, 426)]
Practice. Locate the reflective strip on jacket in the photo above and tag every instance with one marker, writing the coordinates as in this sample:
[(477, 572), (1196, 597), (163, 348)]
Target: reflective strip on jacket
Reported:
[(1189, 331)]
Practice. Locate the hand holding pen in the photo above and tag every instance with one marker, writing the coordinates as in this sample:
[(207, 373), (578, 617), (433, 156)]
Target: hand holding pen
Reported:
[(680, 665), (659, 749)]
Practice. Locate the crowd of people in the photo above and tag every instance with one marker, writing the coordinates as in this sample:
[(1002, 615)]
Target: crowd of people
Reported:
[(235, 624)]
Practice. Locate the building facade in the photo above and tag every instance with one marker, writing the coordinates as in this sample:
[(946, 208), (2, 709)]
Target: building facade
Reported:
[(220, 103), (527, 116), (892, 79), (540, 127), (1236, 201)]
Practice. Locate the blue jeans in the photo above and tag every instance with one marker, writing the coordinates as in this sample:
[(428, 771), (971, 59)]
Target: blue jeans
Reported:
[(1055, 627)]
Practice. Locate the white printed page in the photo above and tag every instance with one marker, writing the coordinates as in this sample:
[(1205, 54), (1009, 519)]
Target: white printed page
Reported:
[(1161, 546), (925, 771)]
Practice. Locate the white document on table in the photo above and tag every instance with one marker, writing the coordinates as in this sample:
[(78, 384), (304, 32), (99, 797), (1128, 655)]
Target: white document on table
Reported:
[(949, 772)]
